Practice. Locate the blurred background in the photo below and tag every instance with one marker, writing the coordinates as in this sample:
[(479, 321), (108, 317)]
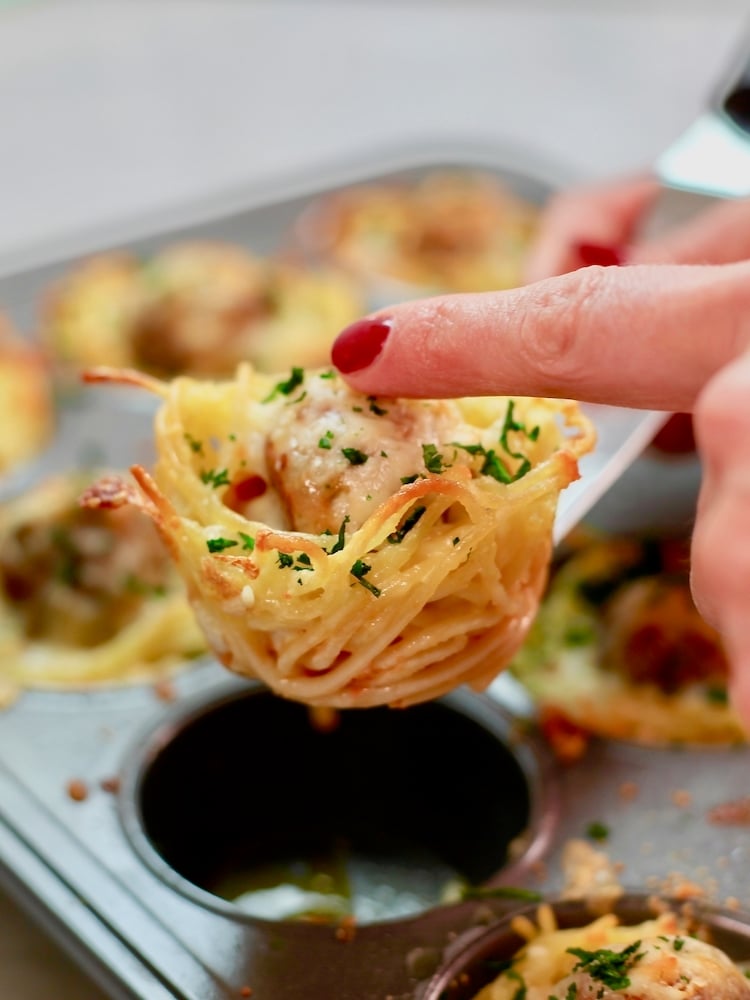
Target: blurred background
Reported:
[(122, 117)]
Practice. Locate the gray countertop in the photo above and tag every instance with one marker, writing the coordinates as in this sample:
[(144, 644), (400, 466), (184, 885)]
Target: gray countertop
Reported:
[(116, 115)]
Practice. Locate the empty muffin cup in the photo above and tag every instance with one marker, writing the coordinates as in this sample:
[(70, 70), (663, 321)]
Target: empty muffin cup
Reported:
[(253, 805)]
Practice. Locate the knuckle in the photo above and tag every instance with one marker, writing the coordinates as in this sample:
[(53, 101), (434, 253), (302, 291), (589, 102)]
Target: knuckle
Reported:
[(554, 327)]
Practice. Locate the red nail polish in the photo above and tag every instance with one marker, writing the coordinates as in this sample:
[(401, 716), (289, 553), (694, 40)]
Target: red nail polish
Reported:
[(358, 345), (599, 253)]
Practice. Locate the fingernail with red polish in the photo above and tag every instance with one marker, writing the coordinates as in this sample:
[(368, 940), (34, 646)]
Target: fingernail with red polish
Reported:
[(358, 345), (600, 253)]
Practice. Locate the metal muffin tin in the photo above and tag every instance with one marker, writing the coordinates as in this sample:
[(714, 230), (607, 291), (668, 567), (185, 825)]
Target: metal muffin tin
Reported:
[(126, 879)]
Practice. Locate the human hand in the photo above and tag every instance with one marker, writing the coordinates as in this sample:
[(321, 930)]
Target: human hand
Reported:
[(603, 224), (668, 338)]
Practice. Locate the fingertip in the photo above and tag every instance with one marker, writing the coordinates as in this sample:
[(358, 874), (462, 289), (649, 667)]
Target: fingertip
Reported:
[(359, 344)]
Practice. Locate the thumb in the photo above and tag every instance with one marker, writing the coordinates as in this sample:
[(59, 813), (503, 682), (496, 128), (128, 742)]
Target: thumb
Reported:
[(607, 215), (642, 336), (719, 235)]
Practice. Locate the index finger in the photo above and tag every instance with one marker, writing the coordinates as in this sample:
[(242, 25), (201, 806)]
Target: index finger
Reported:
[(641, 336)]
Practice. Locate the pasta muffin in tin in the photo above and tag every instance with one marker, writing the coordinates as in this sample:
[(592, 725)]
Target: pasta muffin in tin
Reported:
[(451, 231), (619, 650), (658, 959), (26, 406), (352, 551), (196, 308), (86, 597)]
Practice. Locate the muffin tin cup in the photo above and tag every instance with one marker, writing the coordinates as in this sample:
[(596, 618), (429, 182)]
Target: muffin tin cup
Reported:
[(419, 802), (472, 961)]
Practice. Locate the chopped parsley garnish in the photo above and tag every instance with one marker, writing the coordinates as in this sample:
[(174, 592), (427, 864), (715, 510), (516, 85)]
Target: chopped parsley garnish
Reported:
[(215, 477), (606, 966), (359, 571), (134, 585), (298, 399), (286, 560), (456, 540), (597, 831), (572, 992), (501, 892), (219, 544), (520, 993), (510, 424), (717, 696), (325, 441), (341, 540), (412, 518), (195, 446), (248, 542), (377, 410), (580, 633), (354, 456), (329, 374), (493, 465), (679, 943), (433, 460), (409, 479), (287, 387)]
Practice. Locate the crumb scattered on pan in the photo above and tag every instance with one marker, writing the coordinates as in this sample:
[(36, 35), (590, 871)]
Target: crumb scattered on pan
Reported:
[(77, 790), (682, 798), (733, 813), (111, 785), (346, 930), (628, 791), (165, 690), (590, 874)]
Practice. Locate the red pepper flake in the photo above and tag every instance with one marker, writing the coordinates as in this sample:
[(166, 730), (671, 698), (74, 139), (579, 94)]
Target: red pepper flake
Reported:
[(346, 930), (246, 991), (568, 740), (242, 491), (77, 790)]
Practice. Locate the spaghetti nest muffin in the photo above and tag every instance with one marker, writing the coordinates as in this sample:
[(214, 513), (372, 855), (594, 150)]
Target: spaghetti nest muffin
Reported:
[(26, 408), (451, 231), (86, 597), (196, 308), (353, 551), (658, 959), (620, 650)]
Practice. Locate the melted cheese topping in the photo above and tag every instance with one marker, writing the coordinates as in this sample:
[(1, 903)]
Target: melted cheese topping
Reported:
[(608, 961)]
